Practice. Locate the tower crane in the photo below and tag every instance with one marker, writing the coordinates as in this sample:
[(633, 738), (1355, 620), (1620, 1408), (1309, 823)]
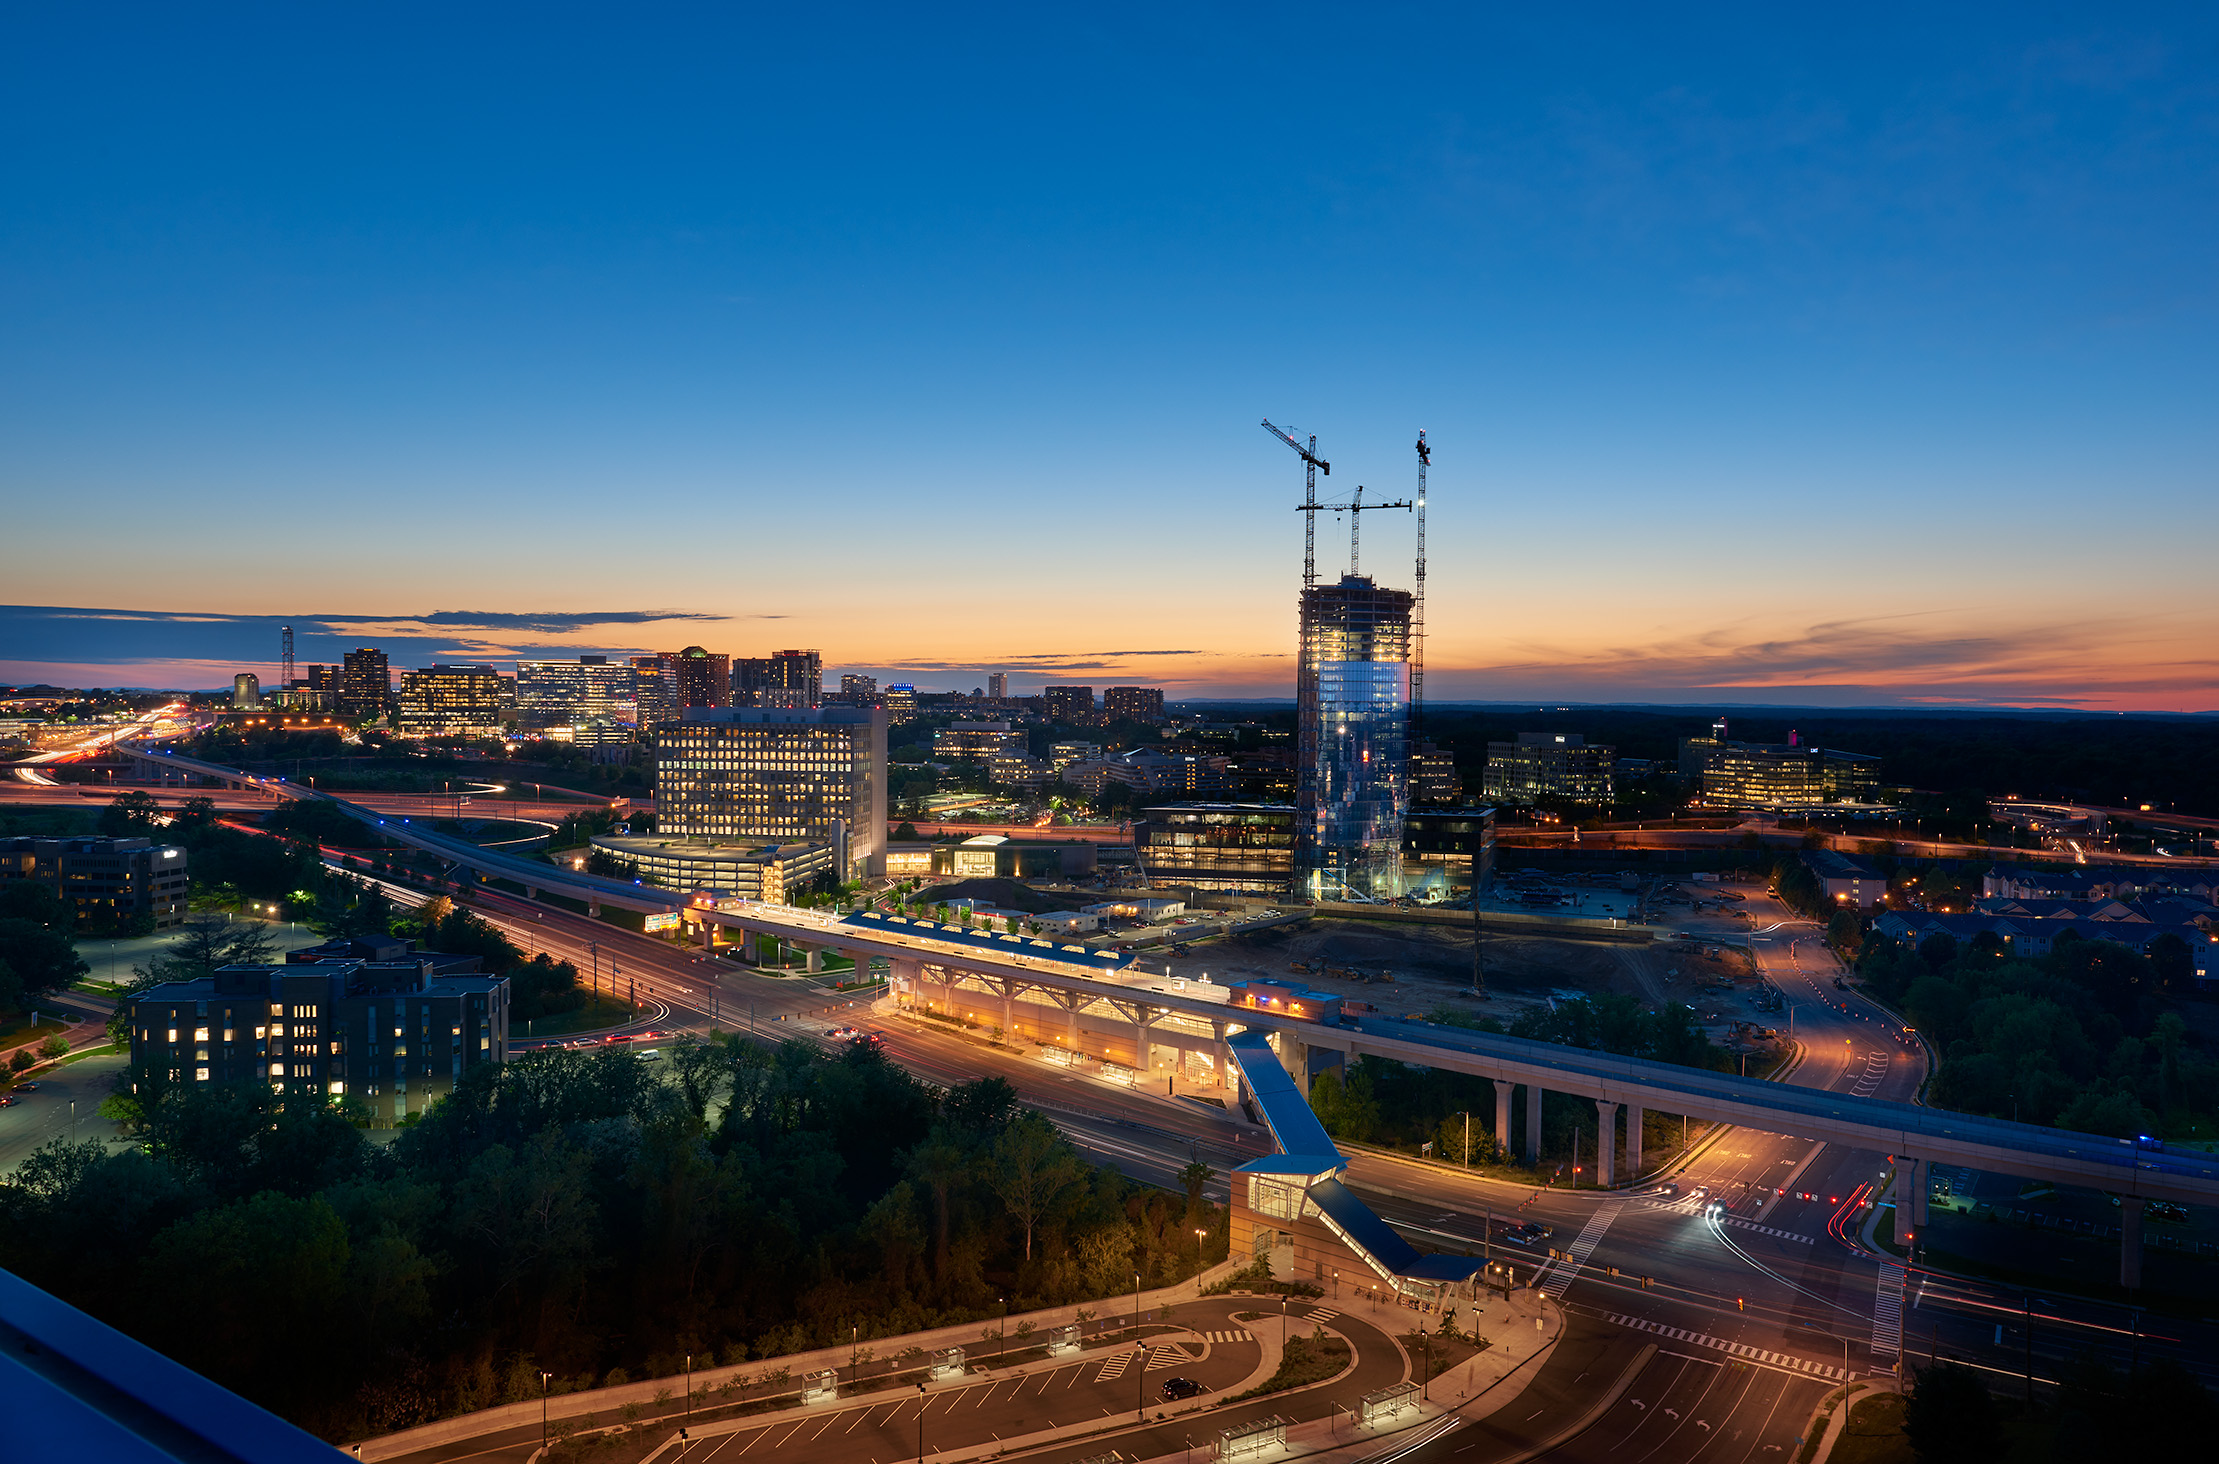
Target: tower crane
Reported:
[(1312, 465), (1417, 608)]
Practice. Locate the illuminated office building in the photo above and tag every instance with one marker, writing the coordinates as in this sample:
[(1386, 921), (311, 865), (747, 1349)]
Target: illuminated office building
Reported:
[(655, 688), (574, 693), (997, 686), (365, 682), (1553, 765), (901, 701), (1233, 848), (1069, 704), (1352, 714), (1434, 781), (976, 741), (768, 773), (453, 701), (859, 691), (1133, 703)]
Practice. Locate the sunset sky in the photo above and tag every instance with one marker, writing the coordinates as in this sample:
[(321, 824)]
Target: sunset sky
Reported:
[(1860, 358)]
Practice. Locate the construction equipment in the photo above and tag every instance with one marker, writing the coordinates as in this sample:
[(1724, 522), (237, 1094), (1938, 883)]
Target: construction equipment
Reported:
[(1417, 608), (1312, 464)]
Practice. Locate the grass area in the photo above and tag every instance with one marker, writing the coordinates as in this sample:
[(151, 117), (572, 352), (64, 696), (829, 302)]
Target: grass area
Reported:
[(1874, 1433), (17, 1030), (595, 1014), (1307, 1360), (1443, 1352)]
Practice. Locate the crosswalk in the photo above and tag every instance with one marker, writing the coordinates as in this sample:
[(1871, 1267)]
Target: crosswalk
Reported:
[(1115, 1366), (1321, 1315), (1740, 1349), (1591, 1235), (1224, 1337), (1771, 1230), (1887, 1310)]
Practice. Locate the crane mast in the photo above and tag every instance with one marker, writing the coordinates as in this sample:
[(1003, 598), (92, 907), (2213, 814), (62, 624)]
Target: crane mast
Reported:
[(1311, 463), (1417, 609)]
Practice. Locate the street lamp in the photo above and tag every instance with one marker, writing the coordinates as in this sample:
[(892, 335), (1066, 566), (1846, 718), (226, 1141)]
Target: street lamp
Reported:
[(543, 1377), (920, 1423), (1198, 1234)]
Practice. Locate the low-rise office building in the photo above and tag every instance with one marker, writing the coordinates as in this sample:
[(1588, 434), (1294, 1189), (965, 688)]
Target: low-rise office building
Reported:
[(744, 869), (1846, 879), (1434, 780), (1790, 774), (1556, 765), (1452, 836), (97, 878), (1133, 703), (393, 1035), (1231, 848), (976, 741)]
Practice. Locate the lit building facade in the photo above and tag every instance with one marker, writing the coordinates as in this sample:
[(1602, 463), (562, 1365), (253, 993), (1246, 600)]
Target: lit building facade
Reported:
[(101, 878), (391, 1034), (452, 701), (901, 701), (747, 870), (1352, 714), (1069, 704), (1558, 765), (765, 773), (574, 693), (1434, 781), (655, 688), (789, 679), (859, 691), (1133, 703), (997, 686), (1777, 774), (1234, 848), (365, 682), (704, 679), (976, 741)]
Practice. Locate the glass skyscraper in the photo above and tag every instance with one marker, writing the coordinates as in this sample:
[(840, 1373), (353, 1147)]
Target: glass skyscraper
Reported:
[(1352, 784)]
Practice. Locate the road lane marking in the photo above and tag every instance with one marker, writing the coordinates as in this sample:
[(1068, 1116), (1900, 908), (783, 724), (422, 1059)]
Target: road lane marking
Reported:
[(1591, 1235), (1887, 1310), (1779, 1361)]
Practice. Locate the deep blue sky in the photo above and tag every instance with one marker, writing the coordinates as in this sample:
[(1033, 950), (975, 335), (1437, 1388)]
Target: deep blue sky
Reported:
[(1861, 355)]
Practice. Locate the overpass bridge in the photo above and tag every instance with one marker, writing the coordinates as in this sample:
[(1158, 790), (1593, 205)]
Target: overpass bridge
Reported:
[(959, 974)]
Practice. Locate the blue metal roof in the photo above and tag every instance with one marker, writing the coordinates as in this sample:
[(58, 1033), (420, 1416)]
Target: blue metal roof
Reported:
[(1286, 1111), (1378, 1239)]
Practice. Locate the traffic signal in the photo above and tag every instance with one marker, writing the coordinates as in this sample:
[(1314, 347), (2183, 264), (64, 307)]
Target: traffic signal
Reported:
[(1741, 1304)]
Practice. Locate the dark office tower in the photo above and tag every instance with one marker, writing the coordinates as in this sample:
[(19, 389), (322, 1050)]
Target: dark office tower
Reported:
[(703, 680), (365, 683), (1352, 718), (1133, 703), (1073, 704), (792, 680), (658, 687)]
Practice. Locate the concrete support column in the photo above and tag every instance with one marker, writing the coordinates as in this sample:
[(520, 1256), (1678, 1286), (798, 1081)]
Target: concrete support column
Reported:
[(1503, 1091), (1221, 1055), (816, 958), (1606, 1142), (1009, 1009), (1633, 1141), (1071, 1021), (900, 974), (1533, 1123), (2130, 1242), (1910, 1179), (1140, 1041)]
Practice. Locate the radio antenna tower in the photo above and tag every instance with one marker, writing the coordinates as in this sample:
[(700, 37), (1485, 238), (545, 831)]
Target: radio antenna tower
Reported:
[(1417, 608), (285, 681), (1311, 463)]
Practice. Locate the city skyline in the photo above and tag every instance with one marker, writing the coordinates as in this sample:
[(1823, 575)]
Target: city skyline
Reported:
[(1762, 360)]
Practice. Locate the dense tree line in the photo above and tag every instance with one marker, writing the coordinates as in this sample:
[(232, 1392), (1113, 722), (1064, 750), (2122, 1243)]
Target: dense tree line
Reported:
[(587, 1214), (2083, 1038), (2155, 1411)]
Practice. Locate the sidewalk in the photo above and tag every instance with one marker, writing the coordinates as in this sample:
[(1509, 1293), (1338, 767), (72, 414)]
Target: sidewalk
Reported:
[(1109, 1313)]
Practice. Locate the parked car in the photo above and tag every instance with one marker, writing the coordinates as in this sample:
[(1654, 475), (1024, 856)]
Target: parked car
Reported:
[(1176, 1388)]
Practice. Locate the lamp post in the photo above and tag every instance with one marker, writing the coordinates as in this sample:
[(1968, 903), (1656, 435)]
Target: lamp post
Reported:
[(1140, 1382), (1425, 1377), (1198, 1234), (543, 1377), (920, 1423), (685, 1430)]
